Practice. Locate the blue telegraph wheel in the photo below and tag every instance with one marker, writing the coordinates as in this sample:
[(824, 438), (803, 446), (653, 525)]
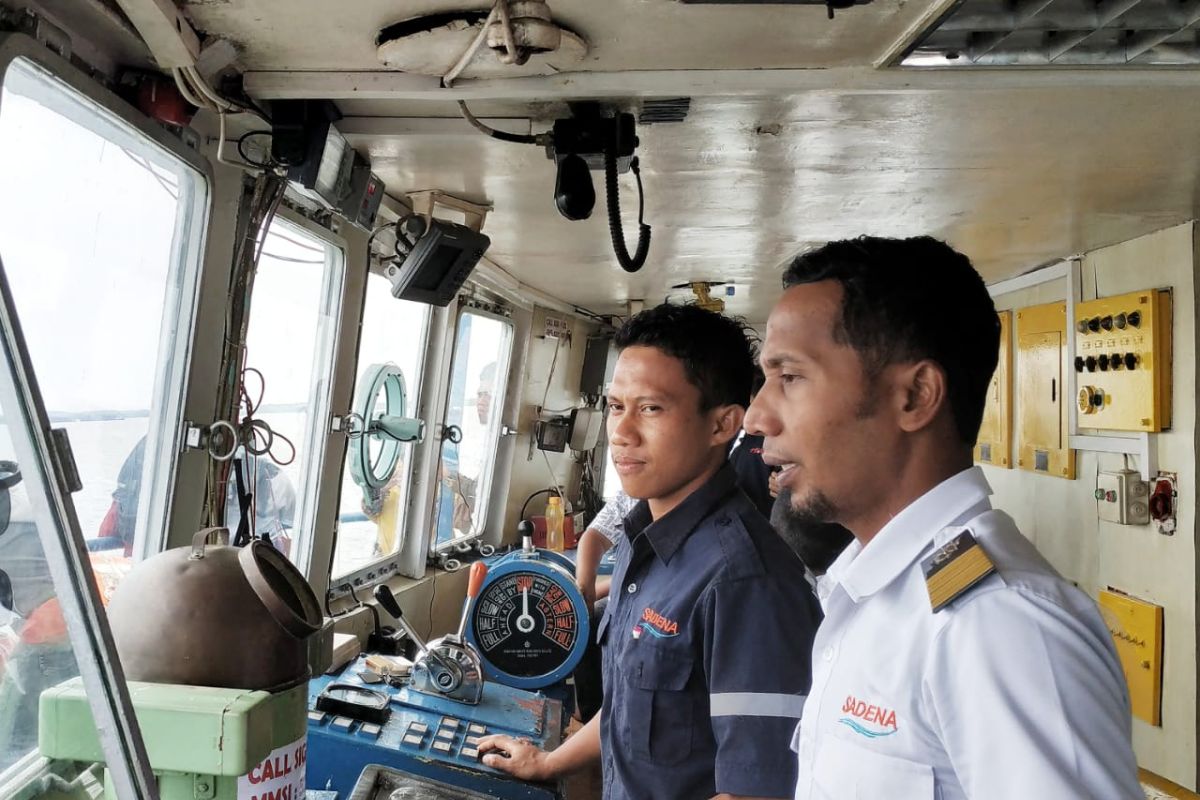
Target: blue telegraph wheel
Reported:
[(530, 623)]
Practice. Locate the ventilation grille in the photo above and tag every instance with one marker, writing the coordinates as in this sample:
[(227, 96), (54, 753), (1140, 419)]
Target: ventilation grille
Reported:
[(674, 110), (1042, 33)]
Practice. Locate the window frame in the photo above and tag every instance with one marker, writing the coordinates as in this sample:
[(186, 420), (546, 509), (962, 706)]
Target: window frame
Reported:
[(95, 652), (388, 564), (502, 313), (322, 438), (165, 412)]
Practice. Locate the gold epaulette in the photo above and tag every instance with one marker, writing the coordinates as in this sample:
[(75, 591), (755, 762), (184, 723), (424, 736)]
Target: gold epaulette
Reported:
[(954, 568)]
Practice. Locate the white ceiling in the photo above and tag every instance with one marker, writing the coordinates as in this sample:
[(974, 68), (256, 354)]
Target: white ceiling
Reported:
[(1014, 172)]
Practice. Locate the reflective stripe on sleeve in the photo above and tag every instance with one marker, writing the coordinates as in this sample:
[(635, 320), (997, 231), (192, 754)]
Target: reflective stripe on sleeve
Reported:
[(755, 704)]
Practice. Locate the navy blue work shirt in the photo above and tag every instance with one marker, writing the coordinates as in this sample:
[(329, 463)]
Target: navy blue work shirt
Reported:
[(707, 640)]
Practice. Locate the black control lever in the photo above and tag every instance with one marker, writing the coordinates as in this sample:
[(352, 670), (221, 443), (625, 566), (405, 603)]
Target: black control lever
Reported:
[(385, 598), (525, 528)]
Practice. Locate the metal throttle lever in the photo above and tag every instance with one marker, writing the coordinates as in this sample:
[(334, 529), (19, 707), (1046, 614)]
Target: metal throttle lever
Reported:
[(385, 598), (479, 571)]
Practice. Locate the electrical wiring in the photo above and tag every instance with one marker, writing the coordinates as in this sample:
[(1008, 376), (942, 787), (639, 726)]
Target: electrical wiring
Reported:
[(550, 377), (256, 435), (241, 148), (504, 136), (291, 260), (261, 203), (553, 477), (511, 54)]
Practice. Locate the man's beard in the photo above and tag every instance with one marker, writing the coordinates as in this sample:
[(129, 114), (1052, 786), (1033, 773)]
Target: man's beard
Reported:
[(809, 530), (814, 507)]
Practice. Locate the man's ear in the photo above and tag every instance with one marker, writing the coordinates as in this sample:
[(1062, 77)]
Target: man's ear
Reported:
[(726, 423), (922, 394)]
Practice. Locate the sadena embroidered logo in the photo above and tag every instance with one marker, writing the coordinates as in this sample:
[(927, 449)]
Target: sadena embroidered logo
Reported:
[(656, 625), (868, 719)]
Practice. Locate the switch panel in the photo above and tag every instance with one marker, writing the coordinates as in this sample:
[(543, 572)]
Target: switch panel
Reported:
[(1041, 412), (994, 445), (1123, 355), (1137, 630), (1123, 497)]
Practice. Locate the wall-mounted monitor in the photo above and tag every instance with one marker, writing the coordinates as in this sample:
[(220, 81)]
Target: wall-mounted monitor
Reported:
[(438, 263)]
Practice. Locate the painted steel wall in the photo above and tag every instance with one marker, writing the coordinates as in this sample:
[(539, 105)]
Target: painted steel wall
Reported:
[(1060, 516)]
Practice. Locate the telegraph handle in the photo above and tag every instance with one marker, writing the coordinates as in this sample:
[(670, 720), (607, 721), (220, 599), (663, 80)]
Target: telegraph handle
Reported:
[(479, 571)]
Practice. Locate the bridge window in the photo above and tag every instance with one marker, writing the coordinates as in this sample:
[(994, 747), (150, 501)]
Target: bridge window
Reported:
[(290, 344), (100, 235), (371, 522), (483, 345)]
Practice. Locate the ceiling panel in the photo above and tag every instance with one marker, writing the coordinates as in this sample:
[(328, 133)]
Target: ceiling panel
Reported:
[(1015, 178), (623, 34)]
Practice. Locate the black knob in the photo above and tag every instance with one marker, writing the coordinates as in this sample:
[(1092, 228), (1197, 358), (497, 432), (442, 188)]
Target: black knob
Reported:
[(1093, 324), (1130, 361), (1081, 326), (1107, 323), (1120, 321), (1079, 363), (1103, 361), (525, 528), (385, 598), (1115, 360), (1091, 363), (1135, 318)]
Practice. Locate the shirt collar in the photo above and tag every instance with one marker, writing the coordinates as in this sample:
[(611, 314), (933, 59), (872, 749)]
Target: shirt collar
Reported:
[(863, 571), (667, 534)]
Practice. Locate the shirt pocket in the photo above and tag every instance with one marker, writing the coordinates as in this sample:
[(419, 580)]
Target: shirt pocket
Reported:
[(660, 709), (844, 770), (602, 627)]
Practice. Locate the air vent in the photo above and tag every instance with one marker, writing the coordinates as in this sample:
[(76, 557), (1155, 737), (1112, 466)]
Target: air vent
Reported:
[(1051, 33), (673, 110)]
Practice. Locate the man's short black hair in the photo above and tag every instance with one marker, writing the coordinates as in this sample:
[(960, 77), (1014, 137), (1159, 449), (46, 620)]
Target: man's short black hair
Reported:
[(909, 299), (717, 351)]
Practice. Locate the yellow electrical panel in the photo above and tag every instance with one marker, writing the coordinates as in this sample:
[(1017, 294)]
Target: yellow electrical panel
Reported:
[(1123, 362), (1137, 631), (1042, 414), (994, 444)]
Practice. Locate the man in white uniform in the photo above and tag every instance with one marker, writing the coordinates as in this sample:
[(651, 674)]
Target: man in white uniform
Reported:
[(953, 661)]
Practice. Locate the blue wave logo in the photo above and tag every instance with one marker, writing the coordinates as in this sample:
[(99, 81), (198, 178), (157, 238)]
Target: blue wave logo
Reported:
[(861, 731), (641, 628)]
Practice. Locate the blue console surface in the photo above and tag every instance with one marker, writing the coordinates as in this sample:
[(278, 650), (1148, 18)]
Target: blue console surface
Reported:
[(429, 736)]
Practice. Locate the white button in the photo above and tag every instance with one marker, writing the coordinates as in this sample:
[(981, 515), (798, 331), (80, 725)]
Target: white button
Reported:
[(631, 588), (828, 654)]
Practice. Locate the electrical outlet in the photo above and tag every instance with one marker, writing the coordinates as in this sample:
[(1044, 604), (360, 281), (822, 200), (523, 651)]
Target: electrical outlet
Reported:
[(1123, 497)]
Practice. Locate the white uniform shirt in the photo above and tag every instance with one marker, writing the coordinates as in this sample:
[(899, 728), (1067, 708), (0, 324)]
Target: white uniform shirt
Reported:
[(1012, 691)]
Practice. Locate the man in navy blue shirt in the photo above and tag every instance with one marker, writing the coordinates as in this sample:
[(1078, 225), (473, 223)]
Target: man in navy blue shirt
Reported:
[(709, 627)]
